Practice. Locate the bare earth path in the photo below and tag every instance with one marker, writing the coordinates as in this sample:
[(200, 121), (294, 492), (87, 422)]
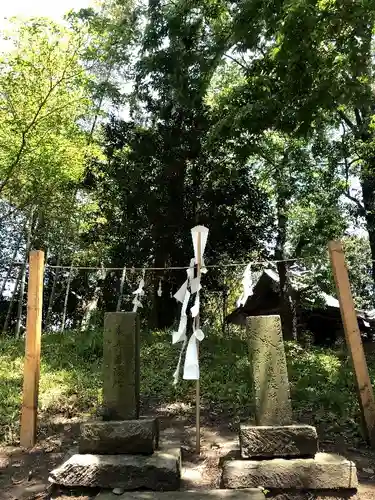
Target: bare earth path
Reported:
[(24, 475)]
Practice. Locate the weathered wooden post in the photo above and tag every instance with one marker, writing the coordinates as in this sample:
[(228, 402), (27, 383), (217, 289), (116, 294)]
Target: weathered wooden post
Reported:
[(353, 339), (269, 371), (29, 412), (121, 366)]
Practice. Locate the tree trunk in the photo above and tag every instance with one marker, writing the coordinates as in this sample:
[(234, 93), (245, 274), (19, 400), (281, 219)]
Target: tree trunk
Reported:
[(66, 298), (92, 304), (167, 228), (40, 231), (368, 193), (90, 307), (10, 307), (52, 295), (23, 279), (21, 296), (287, 304), (156, 315), (14, 256)]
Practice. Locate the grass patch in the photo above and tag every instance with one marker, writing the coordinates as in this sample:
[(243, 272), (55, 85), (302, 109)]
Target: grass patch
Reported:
[(321, 380)]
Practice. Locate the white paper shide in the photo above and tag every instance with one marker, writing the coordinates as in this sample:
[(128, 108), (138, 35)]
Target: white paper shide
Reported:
[(247, 284), (139, 293), (191, 287)]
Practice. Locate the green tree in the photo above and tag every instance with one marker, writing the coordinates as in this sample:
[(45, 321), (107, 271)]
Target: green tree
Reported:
[(307, 66), (293, 171), (112, 28), (165, 147), (44, 93)]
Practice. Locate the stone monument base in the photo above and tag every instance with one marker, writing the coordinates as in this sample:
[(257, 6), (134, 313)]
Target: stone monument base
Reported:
[(323, 472), (263, 441), (284, 462), (121, 455), (159, 471), (244, 494)]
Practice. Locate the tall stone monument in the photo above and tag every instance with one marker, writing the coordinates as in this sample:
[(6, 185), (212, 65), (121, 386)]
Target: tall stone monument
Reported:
[(281, 456), (269, 371), (121, 365), (122, 453)]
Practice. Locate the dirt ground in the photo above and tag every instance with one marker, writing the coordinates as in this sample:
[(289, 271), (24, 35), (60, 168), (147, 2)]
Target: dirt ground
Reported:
[(24, 474)]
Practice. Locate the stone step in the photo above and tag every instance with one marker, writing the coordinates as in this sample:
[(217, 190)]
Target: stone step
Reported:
[(271, 441), (325, 471), (125, 436), (246, 494), (315, 495), (160, 471)]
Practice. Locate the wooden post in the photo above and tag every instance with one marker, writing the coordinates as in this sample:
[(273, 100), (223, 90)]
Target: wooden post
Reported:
[(197, 387), (32, 349), (353, 339)]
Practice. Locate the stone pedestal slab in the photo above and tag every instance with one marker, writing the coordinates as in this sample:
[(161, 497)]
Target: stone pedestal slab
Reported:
[(126, 436), (325, 471), (160, 471), (278, 441)]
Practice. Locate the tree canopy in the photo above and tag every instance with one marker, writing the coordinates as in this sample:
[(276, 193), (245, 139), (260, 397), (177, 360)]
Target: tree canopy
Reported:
[(129, 123)]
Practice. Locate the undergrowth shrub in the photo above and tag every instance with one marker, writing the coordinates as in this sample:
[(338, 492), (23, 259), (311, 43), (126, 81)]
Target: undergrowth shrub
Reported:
[(321, 380)]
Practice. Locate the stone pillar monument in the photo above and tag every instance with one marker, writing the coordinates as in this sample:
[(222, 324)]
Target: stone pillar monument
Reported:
[(269, 371), (121, 366)]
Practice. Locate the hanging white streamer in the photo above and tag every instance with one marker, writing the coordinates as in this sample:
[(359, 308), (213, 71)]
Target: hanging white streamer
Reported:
[(195, 285), (185, 303), (140, 290), (191, 364), (139, 293), (190, 270), (176, 374), (102, 273), (191, 367), (160, 291), (181, 292), (136, 303), (204, 235), (182, 295), (195, 309), (180, 335), (247, 283)]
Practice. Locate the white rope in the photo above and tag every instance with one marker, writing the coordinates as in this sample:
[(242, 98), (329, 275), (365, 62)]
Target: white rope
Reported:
[(178, 268)]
